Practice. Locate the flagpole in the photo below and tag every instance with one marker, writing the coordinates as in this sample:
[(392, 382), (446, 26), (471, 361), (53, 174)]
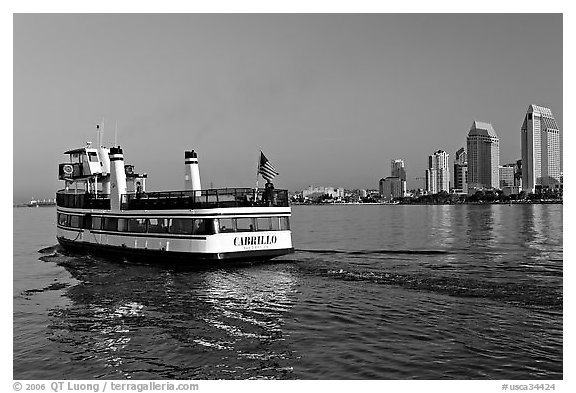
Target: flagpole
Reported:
[(257, 172)]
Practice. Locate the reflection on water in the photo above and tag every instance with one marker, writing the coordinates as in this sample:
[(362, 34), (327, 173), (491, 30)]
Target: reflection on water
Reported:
[(470, 292), (137, 321)]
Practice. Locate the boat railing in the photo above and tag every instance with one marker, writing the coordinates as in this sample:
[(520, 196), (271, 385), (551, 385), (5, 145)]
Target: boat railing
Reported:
[(204, 199), (82, 200)]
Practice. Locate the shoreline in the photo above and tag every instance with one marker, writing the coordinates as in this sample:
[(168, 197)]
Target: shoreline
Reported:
[(545, 202)]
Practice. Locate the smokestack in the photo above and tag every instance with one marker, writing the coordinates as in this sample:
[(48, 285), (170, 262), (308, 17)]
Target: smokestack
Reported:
[(103, 154), (192, 172), (117, 177)]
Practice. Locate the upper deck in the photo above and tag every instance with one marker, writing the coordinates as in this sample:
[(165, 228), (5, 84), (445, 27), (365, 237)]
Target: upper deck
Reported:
[(172, 200)]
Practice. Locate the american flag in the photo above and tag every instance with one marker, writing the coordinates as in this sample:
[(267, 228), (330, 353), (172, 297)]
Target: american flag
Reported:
[(266, 169)]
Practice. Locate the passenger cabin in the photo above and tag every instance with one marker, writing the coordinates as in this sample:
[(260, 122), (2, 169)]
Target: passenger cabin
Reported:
[(84, 162), (87, 174)]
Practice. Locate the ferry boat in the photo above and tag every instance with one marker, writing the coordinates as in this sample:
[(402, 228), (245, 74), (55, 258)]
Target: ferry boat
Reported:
[(105, 208)]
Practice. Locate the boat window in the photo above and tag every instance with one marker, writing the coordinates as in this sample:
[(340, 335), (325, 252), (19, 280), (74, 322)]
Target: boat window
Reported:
[(63, 219), (245, 225), (92, 156), (137, 225), (226, 225), (264, 223), (111, 223), (181, 225), (76, 221), (96, 222), (284, 224), (202, 227), (87, 221), (275, 223), (122, 224), (158, 225), (211, 226)]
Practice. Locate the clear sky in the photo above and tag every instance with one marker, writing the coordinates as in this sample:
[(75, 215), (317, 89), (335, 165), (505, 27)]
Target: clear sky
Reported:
[(329, 98)]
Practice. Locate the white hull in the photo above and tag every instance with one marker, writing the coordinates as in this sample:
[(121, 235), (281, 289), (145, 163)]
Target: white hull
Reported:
[(239, 244)]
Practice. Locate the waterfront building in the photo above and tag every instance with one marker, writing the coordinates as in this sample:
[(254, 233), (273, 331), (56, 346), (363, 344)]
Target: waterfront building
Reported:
[(540, 143), (483, 151), (460, 171), (392, 187), (397, 169), (374, 194), (438, 173), (506, 174), (511, 178), (315, 192), (518, 174)]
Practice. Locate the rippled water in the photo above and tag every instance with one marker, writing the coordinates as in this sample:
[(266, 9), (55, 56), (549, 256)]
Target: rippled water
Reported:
[(373, 292)]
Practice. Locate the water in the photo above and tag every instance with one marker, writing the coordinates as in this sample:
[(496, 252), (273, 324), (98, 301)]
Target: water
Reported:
[(373, 292)]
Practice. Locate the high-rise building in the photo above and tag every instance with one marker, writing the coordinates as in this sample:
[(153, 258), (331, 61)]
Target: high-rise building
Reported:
[(461, 171), (392, 187), (518, 174), (483, 150), (540, 142), (397, 169), (438, 173), (506, 175)]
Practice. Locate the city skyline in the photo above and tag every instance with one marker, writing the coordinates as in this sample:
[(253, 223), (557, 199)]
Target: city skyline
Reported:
[(327, 102)]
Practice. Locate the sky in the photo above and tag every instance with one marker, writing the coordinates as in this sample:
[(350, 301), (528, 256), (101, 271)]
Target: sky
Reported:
[(330, 99)]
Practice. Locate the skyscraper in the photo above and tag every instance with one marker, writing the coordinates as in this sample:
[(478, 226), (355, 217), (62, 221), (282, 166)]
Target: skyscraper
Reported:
[(483, 148), (461, 171), (397, 169), (438, 173), (392, 187), (540, 142)]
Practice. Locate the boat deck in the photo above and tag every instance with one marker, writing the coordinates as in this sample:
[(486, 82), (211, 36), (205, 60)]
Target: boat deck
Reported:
[(164, 200)]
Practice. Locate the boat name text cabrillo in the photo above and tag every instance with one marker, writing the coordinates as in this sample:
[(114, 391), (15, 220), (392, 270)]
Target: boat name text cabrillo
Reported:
[(254, 240)]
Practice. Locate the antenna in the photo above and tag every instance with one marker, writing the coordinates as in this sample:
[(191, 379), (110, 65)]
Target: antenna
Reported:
[(101, 132), (116, 134), (101, 136)]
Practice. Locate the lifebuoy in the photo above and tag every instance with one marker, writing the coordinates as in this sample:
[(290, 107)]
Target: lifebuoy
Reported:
[(68, 169)]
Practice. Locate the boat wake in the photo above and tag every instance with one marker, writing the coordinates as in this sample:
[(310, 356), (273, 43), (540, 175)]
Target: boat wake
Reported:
[(52, 287), (527, 295), (51, 249), (375, 252)]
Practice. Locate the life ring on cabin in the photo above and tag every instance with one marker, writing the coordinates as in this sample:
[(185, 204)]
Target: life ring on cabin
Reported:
[(68, 169)]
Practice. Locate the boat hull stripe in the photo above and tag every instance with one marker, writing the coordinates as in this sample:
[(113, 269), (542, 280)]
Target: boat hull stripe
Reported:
[(161, 256), (155, 214)]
